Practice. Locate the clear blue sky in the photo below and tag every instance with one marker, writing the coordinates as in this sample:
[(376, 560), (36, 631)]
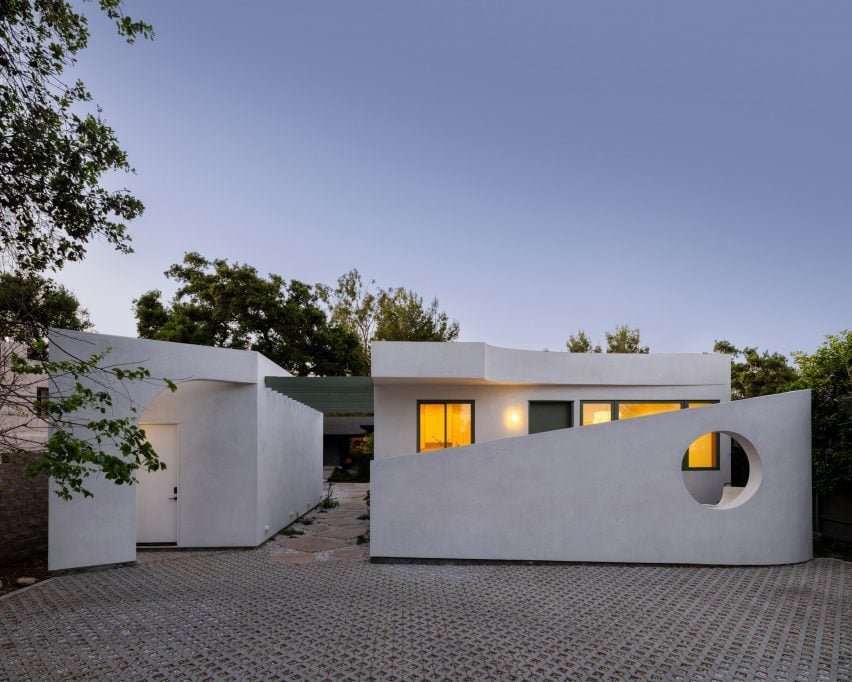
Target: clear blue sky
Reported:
[(685, 168)]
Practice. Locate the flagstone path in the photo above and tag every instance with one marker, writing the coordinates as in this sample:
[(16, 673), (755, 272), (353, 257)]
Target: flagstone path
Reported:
[(340, 533)]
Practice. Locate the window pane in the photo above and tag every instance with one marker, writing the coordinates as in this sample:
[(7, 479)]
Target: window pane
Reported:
[(702, 453), (630, 410), (431, 426), (597, 413), (458, 424)]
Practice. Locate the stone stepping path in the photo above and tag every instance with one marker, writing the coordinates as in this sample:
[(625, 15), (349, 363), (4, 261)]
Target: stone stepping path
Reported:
[(331, 535)]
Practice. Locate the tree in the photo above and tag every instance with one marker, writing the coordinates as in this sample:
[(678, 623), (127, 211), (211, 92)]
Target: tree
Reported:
[(581, 343), (232, 306), (353, 305), (828, 373), (624, 340), (756, 373), (402, 317), (31, 304), (53, 152), (113, 447)]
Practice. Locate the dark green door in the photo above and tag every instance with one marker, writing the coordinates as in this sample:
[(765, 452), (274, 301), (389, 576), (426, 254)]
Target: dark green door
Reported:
[(549, 415)]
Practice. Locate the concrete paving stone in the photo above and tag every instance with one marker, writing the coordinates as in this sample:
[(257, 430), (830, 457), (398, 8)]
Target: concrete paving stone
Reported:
[(292, 557), (309, 543), (349, 533), (347, 554), (314, 527), (348, 521)]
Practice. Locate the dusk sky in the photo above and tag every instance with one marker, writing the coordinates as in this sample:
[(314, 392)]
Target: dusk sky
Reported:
[(685, 168)]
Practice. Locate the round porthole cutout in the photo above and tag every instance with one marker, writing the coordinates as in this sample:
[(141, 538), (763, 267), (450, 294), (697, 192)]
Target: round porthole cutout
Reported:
[(721, 469)]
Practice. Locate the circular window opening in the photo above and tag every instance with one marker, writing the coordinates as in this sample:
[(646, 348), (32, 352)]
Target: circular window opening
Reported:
[(721, 469)]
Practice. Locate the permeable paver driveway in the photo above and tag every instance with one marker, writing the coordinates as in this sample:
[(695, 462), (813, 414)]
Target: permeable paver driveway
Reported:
[(241, 615)]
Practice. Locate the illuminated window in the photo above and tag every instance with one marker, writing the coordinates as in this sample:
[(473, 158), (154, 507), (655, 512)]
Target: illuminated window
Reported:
[(596, 413), (702, 454), (443, 424), (630, 410)]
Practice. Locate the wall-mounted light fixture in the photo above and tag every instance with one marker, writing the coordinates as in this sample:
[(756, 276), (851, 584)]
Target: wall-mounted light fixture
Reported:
[(513, 418)]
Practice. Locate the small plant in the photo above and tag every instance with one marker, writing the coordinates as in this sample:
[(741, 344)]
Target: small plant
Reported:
[(328, 502), (307, 521), (363, 539), (291, 532), (364, 517)]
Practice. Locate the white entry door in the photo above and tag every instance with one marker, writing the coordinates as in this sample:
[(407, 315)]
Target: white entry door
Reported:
[(157, 491)]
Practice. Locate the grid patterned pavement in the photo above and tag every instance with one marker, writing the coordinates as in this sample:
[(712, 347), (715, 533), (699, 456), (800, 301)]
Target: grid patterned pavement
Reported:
[(237, 615)]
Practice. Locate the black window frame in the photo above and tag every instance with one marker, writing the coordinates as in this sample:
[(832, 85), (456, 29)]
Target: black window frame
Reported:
[(684, 405), (449, 401)]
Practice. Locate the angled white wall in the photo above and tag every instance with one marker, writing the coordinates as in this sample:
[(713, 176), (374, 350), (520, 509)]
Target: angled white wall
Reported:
[(229, 467), (609, 492)]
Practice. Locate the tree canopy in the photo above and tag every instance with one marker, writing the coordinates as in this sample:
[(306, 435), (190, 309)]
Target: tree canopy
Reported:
[(31, 304), (754, 373), (353, 305), (55, 152), (581, 343), (828, 373), (402, 316), (621, 340), (624, 340), (232, 306), (55, 148), (394, 314)]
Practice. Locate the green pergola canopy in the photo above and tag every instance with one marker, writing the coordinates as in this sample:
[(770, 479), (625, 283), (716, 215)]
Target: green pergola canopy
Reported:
[(329, 395)]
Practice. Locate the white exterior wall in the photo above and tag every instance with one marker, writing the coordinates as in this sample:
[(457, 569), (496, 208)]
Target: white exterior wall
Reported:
[(289, 460), (217, 460), (502, 381), (227, 476), (609, 492)]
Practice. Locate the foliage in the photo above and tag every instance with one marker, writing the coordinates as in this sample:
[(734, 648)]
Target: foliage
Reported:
[(328, 501), (403, 317), (828, 373), (53, 152), (232, 306), (352, 305), (384, 314), (624, 340), (80, 402), (581, 343), (756, 373), (31, 304)]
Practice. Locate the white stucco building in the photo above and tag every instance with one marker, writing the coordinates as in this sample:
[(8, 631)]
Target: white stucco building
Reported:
[(243, 461), (492, 453), (490, 393)]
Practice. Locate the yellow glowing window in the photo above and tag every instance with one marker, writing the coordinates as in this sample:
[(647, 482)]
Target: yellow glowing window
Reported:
[(444, 425), (704, 452), (630, 410), (597, 413)]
